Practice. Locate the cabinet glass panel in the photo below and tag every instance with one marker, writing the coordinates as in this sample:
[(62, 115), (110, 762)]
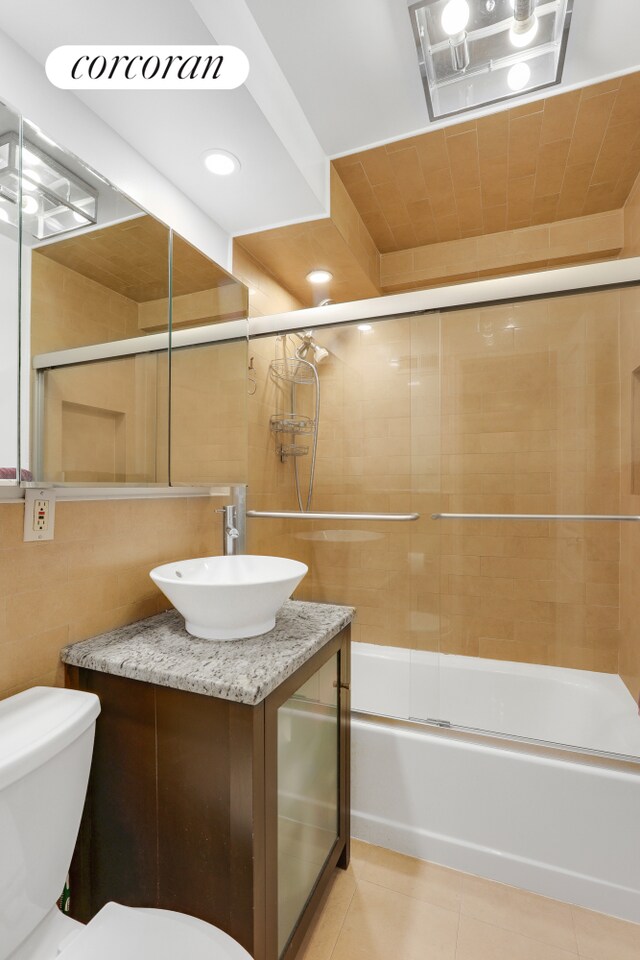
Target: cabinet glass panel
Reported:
[(209, 411), (308, 771)]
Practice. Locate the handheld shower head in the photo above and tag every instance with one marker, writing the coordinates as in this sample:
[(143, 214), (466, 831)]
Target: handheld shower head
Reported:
[(309, 346)]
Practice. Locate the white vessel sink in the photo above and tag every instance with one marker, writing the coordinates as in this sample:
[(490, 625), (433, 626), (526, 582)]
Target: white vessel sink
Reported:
[(229, 598)]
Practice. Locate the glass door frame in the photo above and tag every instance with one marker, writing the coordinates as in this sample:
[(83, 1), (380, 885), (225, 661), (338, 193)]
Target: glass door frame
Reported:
[(340, 852)]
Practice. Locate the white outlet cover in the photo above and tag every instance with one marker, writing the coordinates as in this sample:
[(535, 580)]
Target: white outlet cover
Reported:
[(32, 499)]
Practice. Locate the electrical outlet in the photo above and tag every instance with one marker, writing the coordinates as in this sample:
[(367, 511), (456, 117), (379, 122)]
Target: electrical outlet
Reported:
[(39, 514)]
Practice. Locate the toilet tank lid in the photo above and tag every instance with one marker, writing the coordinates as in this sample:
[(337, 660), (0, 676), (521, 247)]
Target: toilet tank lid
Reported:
[(37, 724)]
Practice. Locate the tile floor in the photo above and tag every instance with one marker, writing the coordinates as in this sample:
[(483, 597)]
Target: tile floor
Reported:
[(390, 907)]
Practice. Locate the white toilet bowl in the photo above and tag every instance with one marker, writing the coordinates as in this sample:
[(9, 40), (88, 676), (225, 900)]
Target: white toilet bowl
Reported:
[(128, 933), (46, 741)]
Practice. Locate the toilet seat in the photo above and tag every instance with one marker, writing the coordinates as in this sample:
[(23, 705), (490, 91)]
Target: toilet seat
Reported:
[(136, 933)]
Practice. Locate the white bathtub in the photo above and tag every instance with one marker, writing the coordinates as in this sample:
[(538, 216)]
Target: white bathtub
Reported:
[(560, 824)]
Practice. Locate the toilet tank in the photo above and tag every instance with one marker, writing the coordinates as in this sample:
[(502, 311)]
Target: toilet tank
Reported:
[(46, 740)]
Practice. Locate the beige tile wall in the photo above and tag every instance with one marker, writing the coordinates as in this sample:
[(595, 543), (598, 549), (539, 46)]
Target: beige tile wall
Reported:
[(270, 480), (530, 424), (105, 422), (507, 409), (631, 214), (93, 577), (630, 496), (69, 310), (209, 414), (102, 422), (365, 464), (596, 237)]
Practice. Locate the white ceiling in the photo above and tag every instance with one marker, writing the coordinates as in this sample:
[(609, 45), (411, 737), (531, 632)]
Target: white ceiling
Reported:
[(353, 65), (328, 77), (173, 129)]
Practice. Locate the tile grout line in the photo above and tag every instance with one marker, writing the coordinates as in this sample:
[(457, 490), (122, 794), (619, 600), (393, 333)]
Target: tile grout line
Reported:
[(343, 920), (409, 896), (517, 933)]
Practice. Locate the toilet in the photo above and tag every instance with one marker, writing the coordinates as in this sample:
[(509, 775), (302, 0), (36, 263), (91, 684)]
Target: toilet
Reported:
[(46, 742)]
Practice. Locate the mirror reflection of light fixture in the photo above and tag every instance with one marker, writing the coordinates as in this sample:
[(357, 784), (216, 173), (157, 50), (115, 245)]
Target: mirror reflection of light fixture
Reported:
[(518, 76), (455, 17), (468, 48), (54, 199)]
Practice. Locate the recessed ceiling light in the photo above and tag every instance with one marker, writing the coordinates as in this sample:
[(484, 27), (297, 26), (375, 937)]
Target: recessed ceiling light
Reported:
[(319, 276), (221, 162), (365, 327)]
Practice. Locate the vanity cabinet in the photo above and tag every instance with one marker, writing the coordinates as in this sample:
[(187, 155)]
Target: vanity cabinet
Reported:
[(234, 813)]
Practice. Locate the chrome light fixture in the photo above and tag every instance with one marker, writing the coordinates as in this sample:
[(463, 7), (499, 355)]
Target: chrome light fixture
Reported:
[(54, 200), (477, 52)]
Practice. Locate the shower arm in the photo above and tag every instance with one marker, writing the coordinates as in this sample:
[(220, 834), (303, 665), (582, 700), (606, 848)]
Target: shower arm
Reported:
[(297, 515)]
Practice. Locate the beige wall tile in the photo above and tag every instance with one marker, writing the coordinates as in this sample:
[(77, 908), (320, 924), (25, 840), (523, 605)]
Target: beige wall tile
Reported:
[(93, 577)]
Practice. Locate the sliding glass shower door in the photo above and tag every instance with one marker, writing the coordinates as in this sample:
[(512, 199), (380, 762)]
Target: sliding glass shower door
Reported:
[(536, 434), (513, 430)]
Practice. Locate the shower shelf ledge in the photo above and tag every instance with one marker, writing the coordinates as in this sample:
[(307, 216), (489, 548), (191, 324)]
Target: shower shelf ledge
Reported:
[(291, 450), (291, 423), (293, 370)]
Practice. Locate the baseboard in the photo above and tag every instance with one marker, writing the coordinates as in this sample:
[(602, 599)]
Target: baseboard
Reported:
[(541, 878)]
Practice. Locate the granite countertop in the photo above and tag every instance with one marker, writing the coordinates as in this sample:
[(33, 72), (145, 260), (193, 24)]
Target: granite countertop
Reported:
[(159, 650)]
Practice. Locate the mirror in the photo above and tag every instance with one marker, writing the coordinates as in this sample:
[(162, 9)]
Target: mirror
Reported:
[(9, 289), (91, 260), (209, 440), (102, 283)]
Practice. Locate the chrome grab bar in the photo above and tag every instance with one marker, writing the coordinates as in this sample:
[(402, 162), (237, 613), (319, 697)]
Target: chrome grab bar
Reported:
[(531, 516), (296, 515)]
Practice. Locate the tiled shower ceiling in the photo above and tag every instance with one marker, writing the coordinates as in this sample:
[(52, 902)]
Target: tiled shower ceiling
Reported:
[(132, 259), (566, 156)]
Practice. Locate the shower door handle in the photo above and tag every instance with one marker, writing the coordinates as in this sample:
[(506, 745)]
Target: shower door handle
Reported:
[(296, 515)]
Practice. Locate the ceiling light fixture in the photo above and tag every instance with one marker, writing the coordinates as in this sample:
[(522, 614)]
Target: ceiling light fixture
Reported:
[(525, 23), (455, 17), (30, 205), (364, 327), (466, 49), (519, 76), (454, 20), (53, 197), (221, 162), (319, 276)]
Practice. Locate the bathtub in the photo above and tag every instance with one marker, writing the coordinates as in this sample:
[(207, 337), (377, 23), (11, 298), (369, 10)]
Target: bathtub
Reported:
[(562, 823)]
